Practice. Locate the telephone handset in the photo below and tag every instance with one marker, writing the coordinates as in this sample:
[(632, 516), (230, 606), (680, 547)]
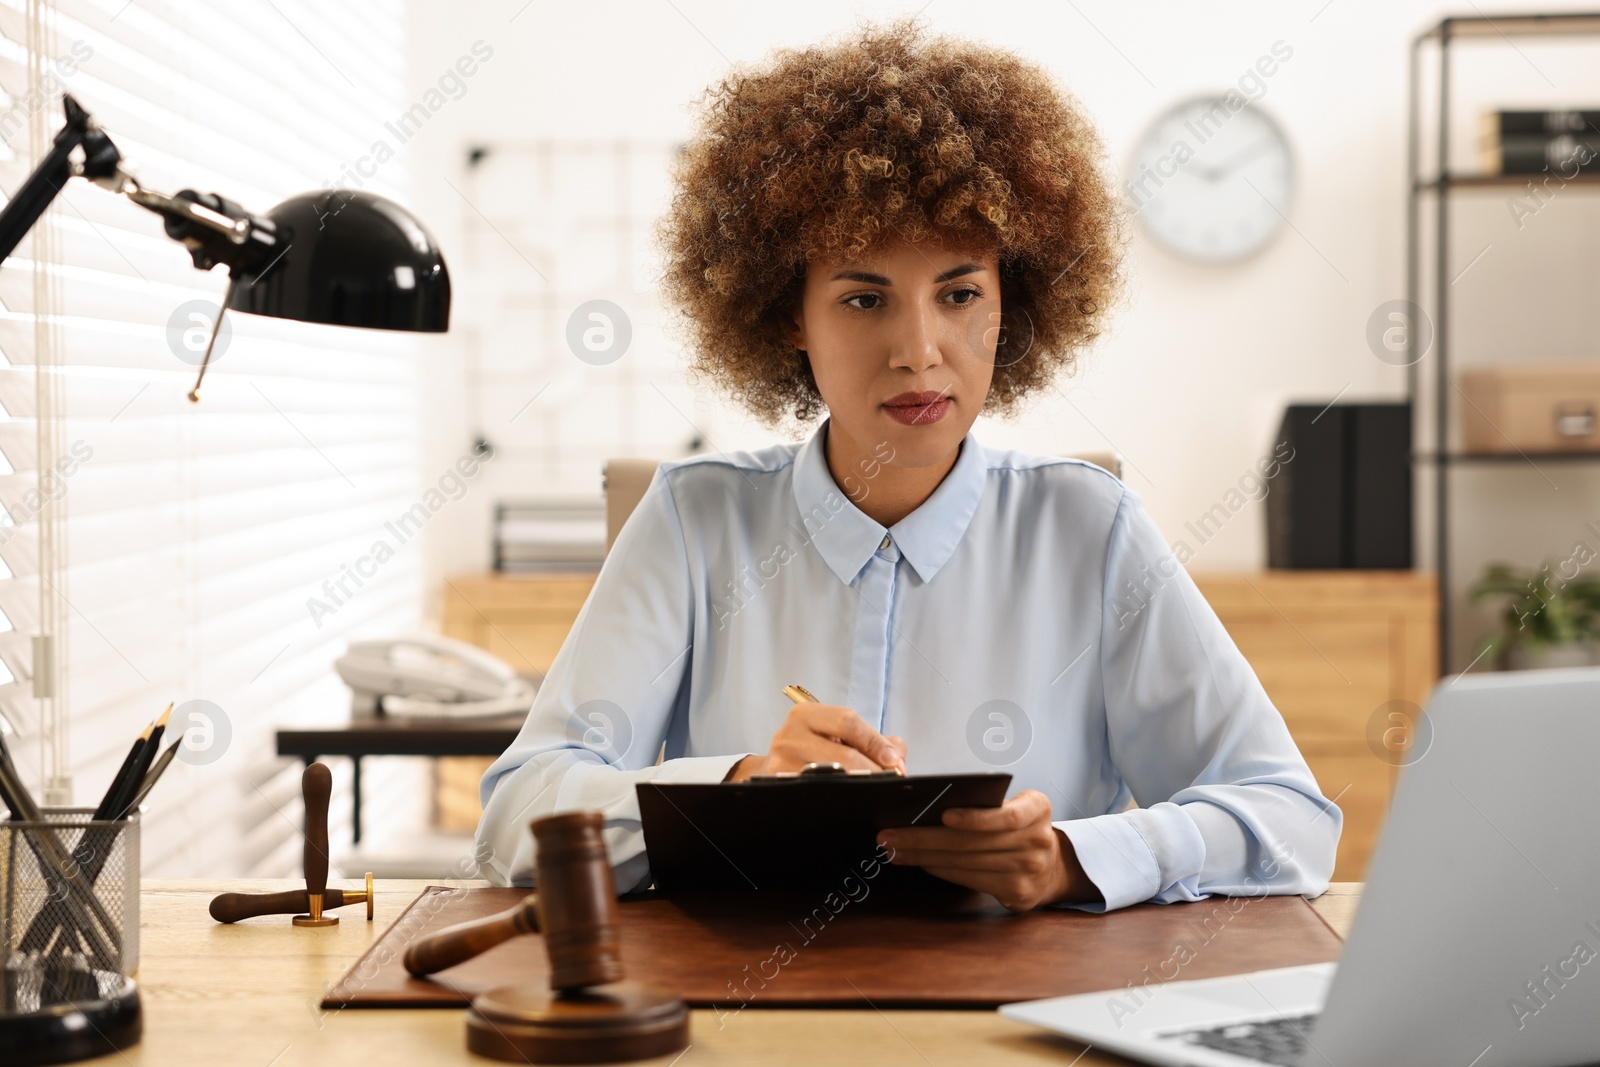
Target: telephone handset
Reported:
[(431, 676)]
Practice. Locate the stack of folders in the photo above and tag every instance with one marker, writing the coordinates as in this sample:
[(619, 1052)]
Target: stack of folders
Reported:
[(556, 534), (1561, 141)]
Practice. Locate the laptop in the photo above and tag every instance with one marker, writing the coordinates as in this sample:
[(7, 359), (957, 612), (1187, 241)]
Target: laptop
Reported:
[(1477, 940)]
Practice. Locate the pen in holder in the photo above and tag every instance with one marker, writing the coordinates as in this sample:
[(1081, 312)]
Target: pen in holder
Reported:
[(69, 935)]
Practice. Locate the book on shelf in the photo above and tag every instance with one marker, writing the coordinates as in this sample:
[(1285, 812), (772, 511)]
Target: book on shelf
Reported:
[(1562, 141), (1564, 154), (1497, 124)]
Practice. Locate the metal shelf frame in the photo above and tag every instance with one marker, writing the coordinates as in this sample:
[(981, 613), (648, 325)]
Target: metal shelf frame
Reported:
[(1439, 185)]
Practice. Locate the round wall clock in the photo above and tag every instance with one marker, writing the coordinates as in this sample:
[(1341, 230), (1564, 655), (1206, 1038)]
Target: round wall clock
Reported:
[(1212, 179)]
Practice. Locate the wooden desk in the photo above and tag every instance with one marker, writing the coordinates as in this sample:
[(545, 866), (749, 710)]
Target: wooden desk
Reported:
[(248, 994)]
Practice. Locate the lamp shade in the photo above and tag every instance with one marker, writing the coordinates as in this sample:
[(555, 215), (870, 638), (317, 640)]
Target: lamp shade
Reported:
[(349, 258)]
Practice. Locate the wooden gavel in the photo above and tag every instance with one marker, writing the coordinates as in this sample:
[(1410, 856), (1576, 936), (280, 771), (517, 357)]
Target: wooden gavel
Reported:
[(316, 785), (575, 907), (588, 1014)]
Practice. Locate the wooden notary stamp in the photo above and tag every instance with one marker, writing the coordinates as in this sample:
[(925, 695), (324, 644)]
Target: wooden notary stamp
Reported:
[(316, 784)]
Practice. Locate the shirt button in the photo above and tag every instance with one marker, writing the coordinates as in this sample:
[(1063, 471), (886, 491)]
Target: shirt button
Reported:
[(885, 541)]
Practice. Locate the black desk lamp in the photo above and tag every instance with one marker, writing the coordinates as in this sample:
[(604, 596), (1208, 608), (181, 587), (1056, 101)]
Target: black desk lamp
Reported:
[(339, 256)]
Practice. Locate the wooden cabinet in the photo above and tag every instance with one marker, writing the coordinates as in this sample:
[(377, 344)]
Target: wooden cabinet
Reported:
[(522, 618), (1332, 648), (1335, 650)]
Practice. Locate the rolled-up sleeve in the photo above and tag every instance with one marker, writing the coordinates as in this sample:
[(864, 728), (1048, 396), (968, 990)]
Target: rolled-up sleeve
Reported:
[(1226, 802), (602, 713)]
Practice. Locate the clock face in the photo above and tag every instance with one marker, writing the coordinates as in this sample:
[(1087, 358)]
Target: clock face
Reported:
[(1212, 182)]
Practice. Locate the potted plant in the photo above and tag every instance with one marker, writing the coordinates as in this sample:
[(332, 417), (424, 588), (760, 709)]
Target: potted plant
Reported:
[(1546, 621)]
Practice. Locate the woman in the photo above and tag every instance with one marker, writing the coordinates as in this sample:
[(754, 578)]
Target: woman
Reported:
[(904, 232)]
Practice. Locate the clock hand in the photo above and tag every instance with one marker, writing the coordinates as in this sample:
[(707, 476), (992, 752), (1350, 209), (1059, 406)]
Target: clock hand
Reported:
[(1236, 161)]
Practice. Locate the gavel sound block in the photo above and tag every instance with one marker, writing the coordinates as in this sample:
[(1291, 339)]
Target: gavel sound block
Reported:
[(316, 785), (589, 1014)]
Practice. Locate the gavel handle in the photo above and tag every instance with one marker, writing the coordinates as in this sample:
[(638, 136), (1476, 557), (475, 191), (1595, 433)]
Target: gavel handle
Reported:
[(231, 907), (459, 943)]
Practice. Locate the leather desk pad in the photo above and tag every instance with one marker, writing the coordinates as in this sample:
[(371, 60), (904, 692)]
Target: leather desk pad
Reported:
[(816, 949)]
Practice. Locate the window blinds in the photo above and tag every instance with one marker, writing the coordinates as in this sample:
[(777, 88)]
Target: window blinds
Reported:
[(195, 534)]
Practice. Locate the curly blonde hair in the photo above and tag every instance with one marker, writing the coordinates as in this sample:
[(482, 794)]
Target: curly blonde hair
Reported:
[(831, 151)]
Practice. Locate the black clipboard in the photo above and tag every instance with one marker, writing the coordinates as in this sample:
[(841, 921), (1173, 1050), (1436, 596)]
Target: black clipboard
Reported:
[(800, 832)]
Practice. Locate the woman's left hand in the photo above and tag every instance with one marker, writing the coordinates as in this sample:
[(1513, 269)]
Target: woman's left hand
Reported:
[(1011, 852)]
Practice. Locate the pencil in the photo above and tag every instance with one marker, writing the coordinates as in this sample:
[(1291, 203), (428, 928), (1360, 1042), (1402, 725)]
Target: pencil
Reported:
[(7, 771), (147, 755), (154, 775), (15, 795), (104, 809)]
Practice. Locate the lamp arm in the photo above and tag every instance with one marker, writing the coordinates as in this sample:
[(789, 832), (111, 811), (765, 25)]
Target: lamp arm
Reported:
[(214, 229), (101, 159), (182, 209)]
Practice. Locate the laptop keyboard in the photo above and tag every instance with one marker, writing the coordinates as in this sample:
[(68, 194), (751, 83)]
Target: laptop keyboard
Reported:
[(1277, 1041)]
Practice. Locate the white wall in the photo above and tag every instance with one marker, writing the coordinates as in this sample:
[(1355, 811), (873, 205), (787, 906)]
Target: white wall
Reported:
[(1191, 381)]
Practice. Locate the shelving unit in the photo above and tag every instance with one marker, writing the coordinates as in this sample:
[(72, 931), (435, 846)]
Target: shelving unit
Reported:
[(1435, 190)]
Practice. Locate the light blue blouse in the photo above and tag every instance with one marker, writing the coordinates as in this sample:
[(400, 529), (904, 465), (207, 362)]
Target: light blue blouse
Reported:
[(1028, 617)]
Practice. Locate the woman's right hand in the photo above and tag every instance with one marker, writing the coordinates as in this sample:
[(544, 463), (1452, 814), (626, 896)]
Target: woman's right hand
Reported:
[(824, 733)]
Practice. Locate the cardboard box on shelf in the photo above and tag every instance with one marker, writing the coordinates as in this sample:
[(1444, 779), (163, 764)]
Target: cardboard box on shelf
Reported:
[(1535, 407)]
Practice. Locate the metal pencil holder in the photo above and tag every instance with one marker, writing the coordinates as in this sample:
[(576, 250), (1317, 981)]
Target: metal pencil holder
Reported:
[(69, 907)]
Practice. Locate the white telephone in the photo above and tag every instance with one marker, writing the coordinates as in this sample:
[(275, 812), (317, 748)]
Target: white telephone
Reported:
[(429, 676)]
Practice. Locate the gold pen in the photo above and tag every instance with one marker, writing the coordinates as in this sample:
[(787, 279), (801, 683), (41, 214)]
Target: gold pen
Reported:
[(801, 695)]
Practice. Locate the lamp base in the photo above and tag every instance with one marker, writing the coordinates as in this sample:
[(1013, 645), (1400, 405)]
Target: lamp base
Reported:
[(608, 1023), (75, 1030)]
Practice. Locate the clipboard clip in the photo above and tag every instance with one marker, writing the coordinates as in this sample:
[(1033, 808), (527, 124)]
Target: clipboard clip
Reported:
[(827, 770)]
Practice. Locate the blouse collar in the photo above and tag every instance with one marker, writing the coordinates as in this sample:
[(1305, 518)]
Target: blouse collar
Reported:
[(847, 537)]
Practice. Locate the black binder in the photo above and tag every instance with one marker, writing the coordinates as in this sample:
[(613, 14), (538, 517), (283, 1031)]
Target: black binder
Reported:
[(797, 833), (1344, 499)]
